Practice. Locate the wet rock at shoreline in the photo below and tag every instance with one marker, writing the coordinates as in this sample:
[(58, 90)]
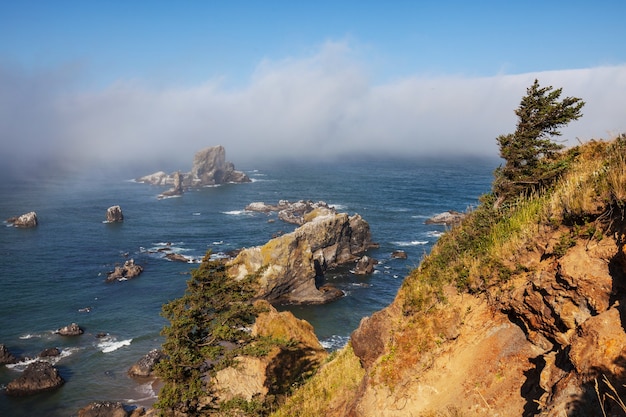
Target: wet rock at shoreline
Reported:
[(144, 367), (6, 357), (39, 376), (25, 221), (112, 409), (365, 265), (398, 254)]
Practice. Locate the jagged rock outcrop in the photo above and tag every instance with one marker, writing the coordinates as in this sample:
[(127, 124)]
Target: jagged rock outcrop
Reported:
[(209, 168), (177, 188), (50, 353), (125, 272), (144, 367), (25, 221), (274, 373), (398, 254), (6, 357), (365, 265), (70, 330), (291, 266), (289, 212), (114, 214), (39, 376)]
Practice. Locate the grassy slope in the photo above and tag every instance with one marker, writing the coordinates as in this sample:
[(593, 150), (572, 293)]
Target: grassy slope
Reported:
[(477, 256)]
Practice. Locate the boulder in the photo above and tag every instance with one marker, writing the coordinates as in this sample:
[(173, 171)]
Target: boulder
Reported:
[(365, 265), (449, 218), (114, 214), (70, 330), (125, 272), (292, 265), (37, 377), (398, 254), (144, 367), (6, 357), (25, 220)]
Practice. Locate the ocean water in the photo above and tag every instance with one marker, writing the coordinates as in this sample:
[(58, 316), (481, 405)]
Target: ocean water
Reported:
[(53, 275)]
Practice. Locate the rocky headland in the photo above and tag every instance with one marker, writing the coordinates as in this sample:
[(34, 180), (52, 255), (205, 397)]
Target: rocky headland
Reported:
[(209, 168)]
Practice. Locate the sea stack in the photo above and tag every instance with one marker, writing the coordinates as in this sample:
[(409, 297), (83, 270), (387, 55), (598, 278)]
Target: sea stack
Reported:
[(25, 220), (114, 214)]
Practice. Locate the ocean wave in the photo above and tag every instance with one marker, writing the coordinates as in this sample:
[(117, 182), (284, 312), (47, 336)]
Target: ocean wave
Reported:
[(30, 336), (338, 207), (197, 213), (52, 360), (239, 213), (335, 342), (411, 243), (147, 392), (435, 233), (111, 344)]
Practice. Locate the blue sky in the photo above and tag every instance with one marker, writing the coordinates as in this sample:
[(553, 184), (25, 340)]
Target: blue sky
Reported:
[(287, 78)]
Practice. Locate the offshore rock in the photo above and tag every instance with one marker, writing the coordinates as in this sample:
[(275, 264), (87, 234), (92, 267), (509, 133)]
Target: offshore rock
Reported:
[(255, 377), (70, 330), (144, 367), (449, 218), (365, 266), (39, 376), (50, 353), (291, 266), (27, 220), (289, 212), (114, 214), (125, 272), (177, 189), (209, 168)]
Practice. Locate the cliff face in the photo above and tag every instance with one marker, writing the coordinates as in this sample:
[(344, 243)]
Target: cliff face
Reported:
[(525, 319)]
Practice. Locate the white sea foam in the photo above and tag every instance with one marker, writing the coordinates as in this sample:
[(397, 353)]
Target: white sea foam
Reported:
[(434, 233), (111, 344), (29, 336), (411, 243), (23, 364), (146, 391), (338, 207), (196, 213), (239, 212), (334, 342)]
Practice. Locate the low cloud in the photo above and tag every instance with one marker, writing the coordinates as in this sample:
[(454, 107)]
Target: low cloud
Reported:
[(318, 107)]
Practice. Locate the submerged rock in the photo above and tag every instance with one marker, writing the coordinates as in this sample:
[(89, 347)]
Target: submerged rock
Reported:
[(39, 376), (27, 220)]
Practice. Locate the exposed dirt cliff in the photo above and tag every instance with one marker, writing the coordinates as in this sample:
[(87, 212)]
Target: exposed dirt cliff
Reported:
[(516, 312)]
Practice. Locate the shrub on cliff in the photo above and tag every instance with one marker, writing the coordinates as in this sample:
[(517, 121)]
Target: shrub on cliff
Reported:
[(207, 326), (530, 153)]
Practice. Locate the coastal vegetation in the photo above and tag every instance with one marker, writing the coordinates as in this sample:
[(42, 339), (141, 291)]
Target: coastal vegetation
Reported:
[(545, 201)]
